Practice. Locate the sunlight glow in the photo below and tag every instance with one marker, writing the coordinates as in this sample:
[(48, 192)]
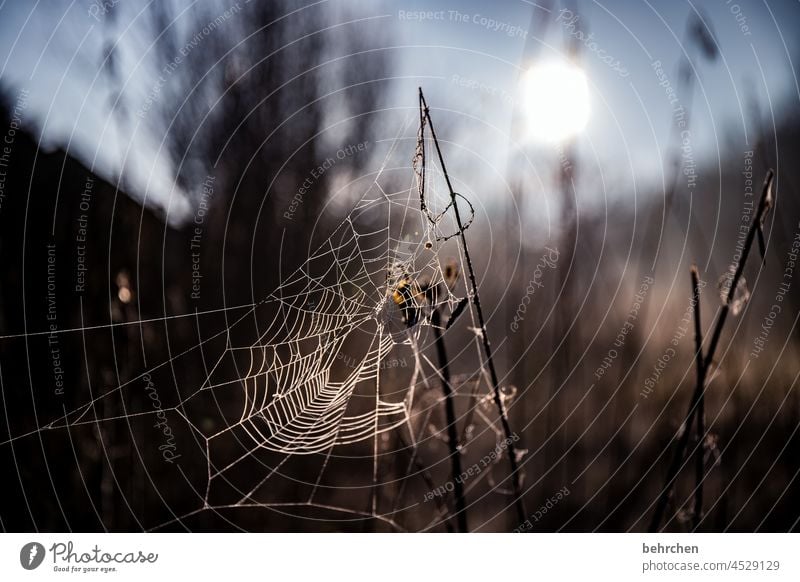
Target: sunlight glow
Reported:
[(555, 97)]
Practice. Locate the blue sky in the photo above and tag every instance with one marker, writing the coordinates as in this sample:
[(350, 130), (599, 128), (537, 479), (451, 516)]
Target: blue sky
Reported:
[(628, 132), (468, 58)]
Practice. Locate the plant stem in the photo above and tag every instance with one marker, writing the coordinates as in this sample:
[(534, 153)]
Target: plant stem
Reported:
[(677, 460), (748, 243), (701, 414), (452, 432), (512, 454)]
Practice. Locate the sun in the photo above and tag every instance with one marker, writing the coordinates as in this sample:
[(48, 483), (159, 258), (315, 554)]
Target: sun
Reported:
[(555, 98)]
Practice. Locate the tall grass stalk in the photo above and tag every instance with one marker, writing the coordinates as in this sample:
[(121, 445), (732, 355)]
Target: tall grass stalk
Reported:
[(452, 430), (701, 412), (704, 362), (487, 348)]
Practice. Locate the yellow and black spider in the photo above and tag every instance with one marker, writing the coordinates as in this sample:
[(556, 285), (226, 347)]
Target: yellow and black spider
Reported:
[(405, 296)]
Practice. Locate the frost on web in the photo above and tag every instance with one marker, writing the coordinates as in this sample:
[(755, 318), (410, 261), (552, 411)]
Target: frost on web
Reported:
[(326, 394), (338, 358), (355, 299)]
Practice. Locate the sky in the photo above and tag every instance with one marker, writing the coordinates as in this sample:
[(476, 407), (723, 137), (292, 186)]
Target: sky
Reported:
[(468, 56), (628, 133)]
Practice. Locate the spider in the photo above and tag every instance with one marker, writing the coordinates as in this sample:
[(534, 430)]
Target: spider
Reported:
[(405, 296)]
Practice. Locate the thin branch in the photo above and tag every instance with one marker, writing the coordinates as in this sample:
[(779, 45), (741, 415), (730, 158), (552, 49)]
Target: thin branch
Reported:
[(683, 439), (487, 348), (700, 390), (452, 431), (748, 243)]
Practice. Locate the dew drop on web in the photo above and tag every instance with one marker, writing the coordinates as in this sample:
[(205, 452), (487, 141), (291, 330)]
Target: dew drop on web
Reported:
[(741, 295), (507, 393), (469, 432)]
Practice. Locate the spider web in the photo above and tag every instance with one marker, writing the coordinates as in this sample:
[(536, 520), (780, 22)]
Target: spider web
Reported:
[(342, 306), (336, 379)]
